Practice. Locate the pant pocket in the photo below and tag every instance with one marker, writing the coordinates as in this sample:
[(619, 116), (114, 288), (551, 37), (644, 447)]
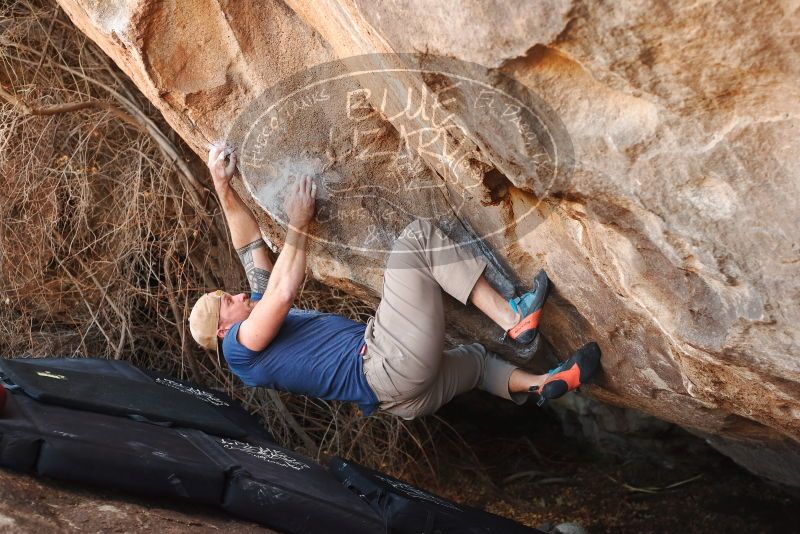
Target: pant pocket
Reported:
[(379, 379)]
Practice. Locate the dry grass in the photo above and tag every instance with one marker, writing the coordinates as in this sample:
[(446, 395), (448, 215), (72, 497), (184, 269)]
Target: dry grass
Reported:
[(107, 235)]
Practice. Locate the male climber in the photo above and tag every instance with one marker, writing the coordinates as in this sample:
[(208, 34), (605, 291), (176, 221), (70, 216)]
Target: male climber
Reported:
[(396, 362)]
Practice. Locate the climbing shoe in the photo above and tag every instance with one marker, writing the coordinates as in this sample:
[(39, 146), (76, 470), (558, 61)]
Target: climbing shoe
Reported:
[(571, 374), (529, 308)]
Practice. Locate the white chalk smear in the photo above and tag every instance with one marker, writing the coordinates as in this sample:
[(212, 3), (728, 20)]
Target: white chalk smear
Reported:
[(273, 183)]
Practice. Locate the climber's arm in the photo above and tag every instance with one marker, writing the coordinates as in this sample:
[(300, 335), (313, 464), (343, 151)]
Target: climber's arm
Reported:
[(245, 233), (258, 330)]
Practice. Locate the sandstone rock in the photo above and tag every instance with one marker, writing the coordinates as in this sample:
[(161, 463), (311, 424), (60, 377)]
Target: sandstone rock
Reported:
[(672, 240)]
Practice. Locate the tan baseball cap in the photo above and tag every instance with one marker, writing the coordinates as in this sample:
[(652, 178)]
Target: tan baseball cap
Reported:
[(204, 320)]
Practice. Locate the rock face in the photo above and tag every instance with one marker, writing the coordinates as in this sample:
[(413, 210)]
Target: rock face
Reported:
[(670, 227)]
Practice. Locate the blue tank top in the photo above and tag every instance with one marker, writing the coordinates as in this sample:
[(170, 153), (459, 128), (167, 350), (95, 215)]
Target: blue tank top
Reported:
[(314, 354)]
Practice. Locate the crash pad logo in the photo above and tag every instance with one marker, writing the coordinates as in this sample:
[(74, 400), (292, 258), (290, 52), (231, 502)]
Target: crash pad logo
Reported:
[(273, 456), (393, 138), (48, 374), (418, 494), (195, 392)]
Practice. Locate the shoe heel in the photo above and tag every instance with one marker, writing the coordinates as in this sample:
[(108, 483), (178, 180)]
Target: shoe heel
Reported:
[(553, 389), (526, 338)]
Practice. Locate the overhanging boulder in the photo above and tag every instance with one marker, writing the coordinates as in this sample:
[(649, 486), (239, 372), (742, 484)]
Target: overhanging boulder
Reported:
[(671, 239)]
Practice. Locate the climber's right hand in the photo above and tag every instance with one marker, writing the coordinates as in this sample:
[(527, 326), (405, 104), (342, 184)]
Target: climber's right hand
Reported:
[(221, 172), (300, 203)]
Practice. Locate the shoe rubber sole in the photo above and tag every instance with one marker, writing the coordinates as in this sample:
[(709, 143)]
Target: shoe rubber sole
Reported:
[(575, 372)]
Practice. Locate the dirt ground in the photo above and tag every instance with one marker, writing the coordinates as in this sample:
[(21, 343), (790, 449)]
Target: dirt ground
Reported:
[(535, 475), (35, 506)]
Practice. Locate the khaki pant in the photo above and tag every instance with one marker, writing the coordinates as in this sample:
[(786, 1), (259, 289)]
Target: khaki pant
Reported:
[(405, 363)]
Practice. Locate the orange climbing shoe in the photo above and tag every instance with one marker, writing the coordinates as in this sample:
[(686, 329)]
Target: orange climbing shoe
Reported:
[(529, 307), (571, 374)]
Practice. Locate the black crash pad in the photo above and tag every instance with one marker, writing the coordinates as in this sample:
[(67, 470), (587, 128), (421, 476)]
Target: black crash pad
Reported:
[(255, 480), (406, 509), (118, 388)]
